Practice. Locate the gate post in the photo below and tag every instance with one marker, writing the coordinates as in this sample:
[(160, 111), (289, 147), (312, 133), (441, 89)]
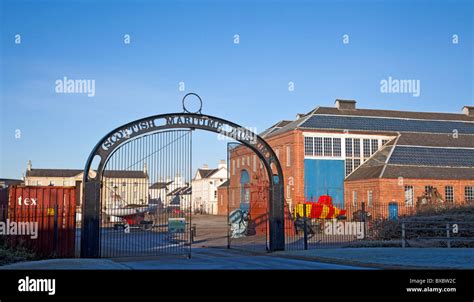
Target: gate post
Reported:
[(277, 216), (90, 237)]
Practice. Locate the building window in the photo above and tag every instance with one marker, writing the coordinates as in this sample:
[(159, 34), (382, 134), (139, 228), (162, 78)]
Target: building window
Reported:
[(215, 194), (233, 167), (238, 163), (356, 163), (248, 161), (370, 197), (255, 163), (336, 147), (449, 194), (409, 195), (349, 152), (374, 146), (366, 148), (356, 147), (288, 156), (384, 141), (318, 146), (328, 146), (428, 188), (354, 198), (308, 146), (349, 163), (469, 193), (288, 192)]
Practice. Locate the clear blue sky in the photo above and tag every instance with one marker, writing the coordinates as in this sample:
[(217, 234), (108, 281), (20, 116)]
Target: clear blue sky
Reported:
[(192, 41)]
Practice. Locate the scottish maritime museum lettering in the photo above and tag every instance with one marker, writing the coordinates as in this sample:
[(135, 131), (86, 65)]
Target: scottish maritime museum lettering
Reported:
[(127, 132)]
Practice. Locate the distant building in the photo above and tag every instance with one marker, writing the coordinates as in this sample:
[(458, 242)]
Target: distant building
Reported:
[(205, 184), (120, 188), (6, 182), (222, 198)]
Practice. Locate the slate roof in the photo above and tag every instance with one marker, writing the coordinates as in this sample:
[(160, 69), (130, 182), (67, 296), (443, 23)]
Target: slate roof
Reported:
[(205, 173), (386, 121), (421, 156), (160, 185)]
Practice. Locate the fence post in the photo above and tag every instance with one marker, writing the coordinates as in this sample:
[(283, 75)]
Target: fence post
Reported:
[(56, 231), (364, 218), (403, 235), (448, 236), (305, 232)]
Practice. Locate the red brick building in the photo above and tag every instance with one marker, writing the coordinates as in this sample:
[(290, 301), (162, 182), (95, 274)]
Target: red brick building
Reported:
[(376, 156)]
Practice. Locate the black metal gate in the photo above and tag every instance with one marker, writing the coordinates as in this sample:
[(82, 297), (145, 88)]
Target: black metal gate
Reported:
[(146, 196)]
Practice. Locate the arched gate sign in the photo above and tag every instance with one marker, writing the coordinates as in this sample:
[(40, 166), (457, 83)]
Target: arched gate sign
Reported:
[(90, 233)]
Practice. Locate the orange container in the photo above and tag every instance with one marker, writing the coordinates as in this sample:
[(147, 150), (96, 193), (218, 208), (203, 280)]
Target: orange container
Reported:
[(53, 210)]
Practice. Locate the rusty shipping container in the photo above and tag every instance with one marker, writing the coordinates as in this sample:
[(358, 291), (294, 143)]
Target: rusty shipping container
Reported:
[(53, 209)]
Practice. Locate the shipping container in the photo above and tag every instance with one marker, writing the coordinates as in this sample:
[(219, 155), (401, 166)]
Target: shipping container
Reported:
[(51, 210)]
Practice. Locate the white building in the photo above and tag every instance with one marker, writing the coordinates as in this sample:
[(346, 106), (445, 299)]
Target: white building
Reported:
[(204, 188)]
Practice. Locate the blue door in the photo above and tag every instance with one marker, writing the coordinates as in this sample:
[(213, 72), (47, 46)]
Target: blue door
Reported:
[(393, 211)]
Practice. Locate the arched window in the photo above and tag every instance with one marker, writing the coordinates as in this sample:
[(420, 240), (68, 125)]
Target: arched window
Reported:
[(244, 187)]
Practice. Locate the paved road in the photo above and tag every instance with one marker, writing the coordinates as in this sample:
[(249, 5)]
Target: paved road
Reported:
[(202, 259)]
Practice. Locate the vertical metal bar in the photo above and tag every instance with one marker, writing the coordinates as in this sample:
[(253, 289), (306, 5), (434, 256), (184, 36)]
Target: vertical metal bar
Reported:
[(403, 235), (305, 231), (56, 230), (448, 239)]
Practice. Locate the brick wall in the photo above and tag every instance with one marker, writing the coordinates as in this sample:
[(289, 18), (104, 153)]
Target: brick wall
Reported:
[(387, 190)]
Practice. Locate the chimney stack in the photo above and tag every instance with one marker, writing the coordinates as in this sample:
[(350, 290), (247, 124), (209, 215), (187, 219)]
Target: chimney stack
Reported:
[(29, 166), (468, 110), (205, 166), (345, 104), (222, 164)]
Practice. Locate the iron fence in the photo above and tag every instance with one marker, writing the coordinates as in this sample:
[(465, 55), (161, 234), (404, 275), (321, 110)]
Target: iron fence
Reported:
[(377, 225)]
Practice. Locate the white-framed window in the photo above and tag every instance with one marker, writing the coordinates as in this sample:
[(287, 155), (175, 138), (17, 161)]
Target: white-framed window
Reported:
[(370, 198), (374, 146), (349, 163), (308, 146), (354, 198), (327, 146), (449, 194), (336, 147), (349, 152), (366, 147), (356, 163), (409, 195), (469, 193), (288, 156), (356, 143), (318, 146)]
